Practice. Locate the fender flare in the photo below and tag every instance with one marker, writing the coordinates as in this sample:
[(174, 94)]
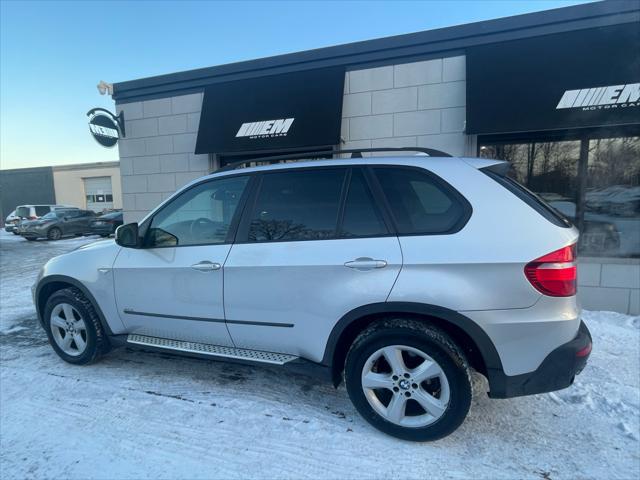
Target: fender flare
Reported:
[(75, 283), (485, 346)]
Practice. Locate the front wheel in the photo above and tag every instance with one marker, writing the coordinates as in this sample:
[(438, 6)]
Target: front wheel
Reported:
[(409, 380), (74, 328)]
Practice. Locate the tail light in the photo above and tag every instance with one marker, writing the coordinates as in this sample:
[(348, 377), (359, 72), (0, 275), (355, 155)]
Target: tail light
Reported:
[(33, 217), (554, 274)]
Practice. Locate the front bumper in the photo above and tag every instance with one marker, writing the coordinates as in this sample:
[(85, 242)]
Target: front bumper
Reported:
[(35, 231), (33, 234), (557, 371)]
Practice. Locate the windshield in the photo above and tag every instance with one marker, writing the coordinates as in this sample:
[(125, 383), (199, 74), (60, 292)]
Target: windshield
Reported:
[(51, 216)]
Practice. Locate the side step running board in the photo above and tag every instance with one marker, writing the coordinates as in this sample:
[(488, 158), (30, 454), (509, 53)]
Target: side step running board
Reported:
[(211, 350)]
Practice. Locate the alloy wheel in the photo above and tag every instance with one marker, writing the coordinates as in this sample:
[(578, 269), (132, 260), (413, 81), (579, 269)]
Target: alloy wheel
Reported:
[(68, 329), (55, 234), (405, 386)]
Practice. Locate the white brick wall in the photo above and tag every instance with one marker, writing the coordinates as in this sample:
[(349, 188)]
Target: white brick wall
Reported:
[(156, 157), (412, 104), (609, 284)]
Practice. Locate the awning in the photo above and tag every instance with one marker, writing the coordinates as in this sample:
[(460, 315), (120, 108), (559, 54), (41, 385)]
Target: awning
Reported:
[(584, 78), (279, 112)]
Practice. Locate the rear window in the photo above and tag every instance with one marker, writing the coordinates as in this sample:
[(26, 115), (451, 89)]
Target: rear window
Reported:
[(531, 199), (422, 203)]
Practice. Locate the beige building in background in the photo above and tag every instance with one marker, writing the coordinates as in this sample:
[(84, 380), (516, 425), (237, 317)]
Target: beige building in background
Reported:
[(91, 186)]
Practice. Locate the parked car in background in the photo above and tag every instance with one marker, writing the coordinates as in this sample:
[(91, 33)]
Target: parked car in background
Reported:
[(27, 213), (106, 224), (57, 224), (33, 212), (11, 222)]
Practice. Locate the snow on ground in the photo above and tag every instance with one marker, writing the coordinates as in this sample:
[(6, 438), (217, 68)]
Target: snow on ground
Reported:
[(149, 415)]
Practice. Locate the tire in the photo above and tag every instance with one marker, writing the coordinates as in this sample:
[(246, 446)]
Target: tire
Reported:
[(448, 395), (96, 342), (54, 233)]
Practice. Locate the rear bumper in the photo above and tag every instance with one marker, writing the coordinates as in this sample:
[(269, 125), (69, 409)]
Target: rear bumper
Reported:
[(557, 371), (101, 229)]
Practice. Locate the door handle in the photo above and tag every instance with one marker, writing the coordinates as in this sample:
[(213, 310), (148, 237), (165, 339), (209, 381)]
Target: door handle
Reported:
[(365, 263), (206, 266)]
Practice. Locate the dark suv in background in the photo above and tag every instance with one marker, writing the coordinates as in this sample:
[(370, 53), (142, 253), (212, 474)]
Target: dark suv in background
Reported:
[(56, 224), (106, 224)]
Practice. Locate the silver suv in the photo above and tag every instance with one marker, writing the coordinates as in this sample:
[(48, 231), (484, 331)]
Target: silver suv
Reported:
[(397, 275)]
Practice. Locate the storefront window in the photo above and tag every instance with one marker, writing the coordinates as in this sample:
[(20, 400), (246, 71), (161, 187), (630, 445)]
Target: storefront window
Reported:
[(605, 205)]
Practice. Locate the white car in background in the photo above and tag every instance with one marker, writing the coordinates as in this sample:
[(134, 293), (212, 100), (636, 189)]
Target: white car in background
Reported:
[(11, 222)]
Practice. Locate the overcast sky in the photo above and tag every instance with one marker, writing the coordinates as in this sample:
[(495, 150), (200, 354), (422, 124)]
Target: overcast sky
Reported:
[(53, 54)]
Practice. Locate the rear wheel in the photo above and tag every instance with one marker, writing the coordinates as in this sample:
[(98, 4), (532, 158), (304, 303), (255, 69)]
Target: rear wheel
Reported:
[(54, 233), (74, 328), (409, 380)]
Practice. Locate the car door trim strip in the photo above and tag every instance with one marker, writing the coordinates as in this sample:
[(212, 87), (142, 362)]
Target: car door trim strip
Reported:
[(204, 319)]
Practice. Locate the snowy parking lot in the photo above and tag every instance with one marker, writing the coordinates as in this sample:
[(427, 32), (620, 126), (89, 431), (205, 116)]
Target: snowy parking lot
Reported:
[(149, 415)]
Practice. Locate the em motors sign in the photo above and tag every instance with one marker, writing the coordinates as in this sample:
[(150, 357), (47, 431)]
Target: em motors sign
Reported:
[(105, 127), (612, 96), (577, 79), (268, 128), (288, 111)]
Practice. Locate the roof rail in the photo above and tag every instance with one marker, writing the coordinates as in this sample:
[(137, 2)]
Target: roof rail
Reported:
[(355, 153)]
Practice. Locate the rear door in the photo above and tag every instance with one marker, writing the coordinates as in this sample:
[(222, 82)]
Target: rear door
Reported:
[(86, 217), (71, 222), (312, 246)]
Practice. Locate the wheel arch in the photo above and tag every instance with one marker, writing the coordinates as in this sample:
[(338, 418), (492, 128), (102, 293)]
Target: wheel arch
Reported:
[(48, 285), (476, 344)]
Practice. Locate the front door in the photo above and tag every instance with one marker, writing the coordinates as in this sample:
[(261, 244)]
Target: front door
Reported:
[(172, 288), (304, 257)]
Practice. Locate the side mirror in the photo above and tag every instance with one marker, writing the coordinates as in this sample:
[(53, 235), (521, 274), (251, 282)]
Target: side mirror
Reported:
[(127, 235)]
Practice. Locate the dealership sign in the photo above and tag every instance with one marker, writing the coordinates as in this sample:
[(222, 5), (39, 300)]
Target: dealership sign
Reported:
[(269, 128), (551, 82), (105, 127), (611, 96), (288, 111)]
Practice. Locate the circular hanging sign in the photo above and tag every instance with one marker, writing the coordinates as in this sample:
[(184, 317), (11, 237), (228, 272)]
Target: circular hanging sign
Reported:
[(104, 129)]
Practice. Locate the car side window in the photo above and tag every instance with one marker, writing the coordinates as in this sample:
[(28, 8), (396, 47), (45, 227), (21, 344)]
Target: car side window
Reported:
[(297, 205), (200, 216), (361, 216), (419, 202), (42, 210)]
